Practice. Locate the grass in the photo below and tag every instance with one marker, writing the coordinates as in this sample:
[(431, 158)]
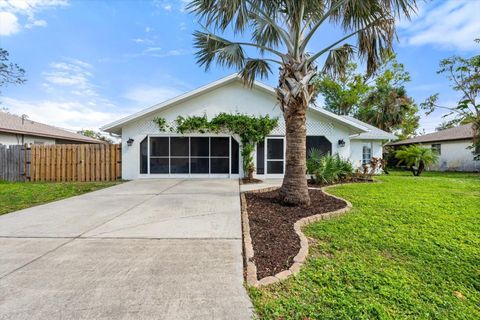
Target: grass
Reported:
[(20, 195), (409, 249)]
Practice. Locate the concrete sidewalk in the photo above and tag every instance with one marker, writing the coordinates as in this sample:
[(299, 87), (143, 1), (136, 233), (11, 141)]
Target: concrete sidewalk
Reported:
[(146, 249)]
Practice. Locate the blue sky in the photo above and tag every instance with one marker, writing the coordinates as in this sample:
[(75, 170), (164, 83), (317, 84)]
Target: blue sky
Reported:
[(91, 62)]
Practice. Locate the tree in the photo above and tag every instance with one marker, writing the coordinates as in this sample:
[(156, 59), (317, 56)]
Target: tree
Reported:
[(379, 99), (387, 106), (416, 158), (95, 135), (281, 33), (10, 73), (342, 94), (464, 74)]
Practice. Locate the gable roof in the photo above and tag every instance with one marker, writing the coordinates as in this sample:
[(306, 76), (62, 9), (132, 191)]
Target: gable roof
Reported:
[(17, 125), (457, 133), (115, 127), (373, 132)]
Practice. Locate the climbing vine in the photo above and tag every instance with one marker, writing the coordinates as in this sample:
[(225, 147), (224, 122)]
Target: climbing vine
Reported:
[(161, 123), (250, 129)]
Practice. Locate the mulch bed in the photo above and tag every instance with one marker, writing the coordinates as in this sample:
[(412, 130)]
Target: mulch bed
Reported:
[(250, 181), (274, 240)]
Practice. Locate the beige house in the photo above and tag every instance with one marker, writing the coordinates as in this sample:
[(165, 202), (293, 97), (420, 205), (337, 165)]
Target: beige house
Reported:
[(16, 130), (453, 146)]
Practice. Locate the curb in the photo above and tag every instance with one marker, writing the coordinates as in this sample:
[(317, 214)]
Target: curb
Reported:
[(299, 259)]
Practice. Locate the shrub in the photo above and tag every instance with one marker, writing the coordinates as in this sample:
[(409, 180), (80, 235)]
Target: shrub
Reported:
[(332, 169), (416, 158), (313, 161)]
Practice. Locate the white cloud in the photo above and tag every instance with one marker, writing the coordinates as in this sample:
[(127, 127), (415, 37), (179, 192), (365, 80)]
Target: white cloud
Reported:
[(169, 5), (452, 24), (158, 53), (71, 98), (8, 24), (70, 114), (143, 40), (148, 95), (36, 23), (12, 11), (71, 73)]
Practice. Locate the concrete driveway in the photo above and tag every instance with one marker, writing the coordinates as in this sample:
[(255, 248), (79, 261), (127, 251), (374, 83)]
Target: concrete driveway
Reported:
[(145, 249)]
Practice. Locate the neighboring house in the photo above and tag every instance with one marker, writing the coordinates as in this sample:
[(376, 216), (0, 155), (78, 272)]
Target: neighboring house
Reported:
[(19, 130), (453, 146), (151, 153)]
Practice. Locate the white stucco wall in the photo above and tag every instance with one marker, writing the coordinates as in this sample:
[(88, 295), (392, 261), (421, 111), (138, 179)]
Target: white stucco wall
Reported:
[(230, 98), (455, 156), (356, 150), (11, 139)]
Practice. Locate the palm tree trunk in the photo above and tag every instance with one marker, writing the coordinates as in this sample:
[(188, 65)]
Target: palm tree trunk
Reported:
[(295, 94), (294, 190)]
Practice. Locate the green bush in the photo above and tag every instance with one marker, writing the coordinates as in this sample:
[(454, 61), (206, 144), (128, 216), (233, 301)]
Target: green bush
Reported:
[(313, 160), (416, 158), (332, 169)]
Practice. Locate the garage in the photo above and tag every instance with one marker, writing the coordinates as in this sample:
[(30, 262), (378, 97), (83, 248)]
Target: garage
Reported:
[(189, 156)]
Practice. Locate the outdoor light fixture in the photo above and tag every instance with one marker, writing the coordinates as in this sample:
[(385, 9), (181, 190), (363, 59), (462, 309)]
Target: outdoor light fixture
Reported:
[(341, 143), (130, 142)]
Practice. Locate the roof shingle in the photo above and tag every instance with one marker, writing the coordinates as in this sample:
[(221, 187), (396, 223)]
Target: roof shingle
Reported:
[(15, 124), (457, 133)]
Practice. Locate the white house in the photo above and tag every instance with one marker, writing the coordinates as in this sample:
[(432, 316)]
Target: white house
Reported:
[(453, 145), (147, 152)]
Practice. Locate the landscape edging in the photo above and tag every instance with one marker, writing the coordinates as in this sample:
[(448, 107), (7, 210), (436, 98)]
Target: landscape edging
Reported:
[(299, 259)]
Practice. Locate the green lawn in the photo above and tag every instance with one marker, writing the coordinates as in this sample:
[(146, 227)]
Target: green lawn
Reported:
[(20, 195), (409, 249)]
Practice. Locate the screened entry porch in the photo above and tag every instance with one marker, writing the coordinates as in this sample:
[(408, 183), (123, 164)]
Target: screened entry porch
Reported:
[(190, 156)]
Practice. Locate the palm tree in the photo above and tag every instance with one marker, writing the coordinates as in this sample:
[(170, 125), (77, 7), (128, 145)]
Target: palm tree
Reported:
[(282, 32), (386, 107), (416, 158)]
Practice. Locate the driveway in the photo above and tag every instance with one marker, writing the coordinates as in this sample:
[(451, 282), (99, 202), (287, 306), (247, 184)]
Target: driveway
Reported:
[(145, 249)]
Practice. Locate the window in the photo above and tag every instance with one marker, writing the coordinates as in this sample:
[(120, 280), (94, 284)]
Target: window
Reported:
[(366, 153), (159, 146), (437, 147), (159, 152), (199, 155), (275, 155)]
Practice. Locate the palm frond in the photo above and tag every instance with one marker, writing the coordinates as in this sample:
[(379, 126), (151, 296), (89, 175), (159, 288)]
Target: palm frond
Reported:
[(265, 33), (337, 60), (253, 69), (211, 47)]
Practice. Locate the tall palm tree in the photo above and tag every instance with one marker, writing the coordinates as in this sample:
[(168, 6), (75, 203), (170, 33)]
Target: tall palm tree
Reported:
[(281, 33)]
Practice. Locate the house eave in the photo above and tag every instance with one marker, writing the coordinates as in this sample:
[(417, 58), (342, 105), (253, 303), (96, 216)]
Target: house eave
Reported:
[(116, 126)]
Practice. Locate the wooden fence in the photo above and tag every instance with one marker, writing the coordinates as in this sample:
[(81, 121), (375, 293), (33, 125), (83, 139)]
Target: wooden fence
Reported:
[(12, 163), (69, 162)]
